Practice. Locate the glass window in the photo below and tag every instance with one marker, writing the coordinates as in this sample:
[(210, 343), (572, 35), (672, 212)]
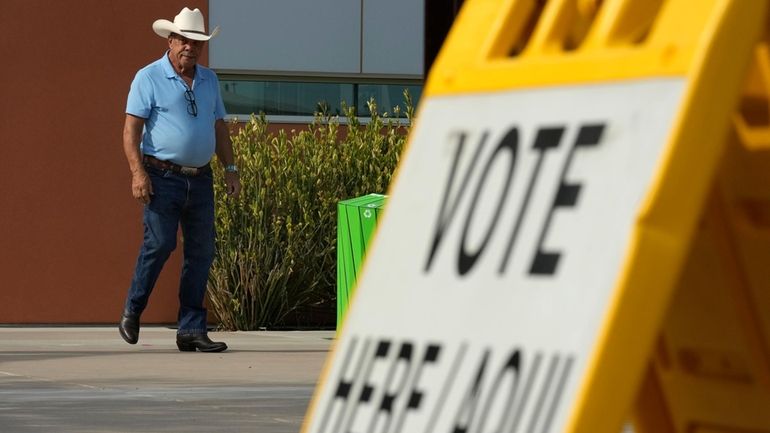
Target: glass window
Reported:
[(296, 98), (283, 97), (387, 96)]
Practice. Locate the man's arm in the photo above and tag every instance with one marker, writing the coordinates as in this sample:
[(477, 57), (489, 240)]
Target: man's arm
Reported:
[(141, 187), (225, 155)]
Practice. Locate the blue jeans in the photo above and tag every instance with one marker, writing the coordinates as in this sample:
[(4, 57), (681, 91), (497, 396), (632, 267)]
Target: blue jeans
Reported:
[(186, 201)]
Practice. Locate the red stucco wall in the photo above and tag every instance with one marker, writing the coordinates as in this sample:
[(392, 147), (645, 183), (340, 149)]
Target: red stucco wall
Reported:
[(69, 228)]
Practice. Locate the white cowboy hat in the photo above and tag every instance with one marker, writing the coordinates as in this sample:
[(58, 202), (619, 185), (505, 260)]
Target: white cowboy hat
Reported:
[(189, 23)]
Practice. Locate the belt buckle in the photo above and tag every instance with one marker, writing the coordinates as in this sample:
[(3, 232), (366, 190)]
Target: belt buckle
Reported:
[(188, 171)]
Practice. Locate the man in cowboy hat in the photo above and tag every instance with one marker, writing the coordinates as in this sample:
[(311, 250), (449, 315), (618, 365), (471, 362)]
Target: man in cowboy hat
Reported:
[(174, 125)]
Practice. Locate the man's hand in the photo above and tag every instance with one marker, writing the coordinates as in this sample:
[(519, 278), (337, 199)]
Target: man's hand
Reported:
[(232, 184), (141, 186), (224, 152)]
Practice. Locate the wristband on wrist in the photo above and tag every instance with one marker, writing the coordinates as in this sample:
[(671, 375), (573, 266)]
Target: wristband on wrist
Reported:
[(231, 168)]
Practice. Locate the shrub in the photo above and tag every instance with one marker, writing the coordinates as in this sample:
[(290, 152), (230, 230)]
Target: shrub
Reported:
[(276, 244)]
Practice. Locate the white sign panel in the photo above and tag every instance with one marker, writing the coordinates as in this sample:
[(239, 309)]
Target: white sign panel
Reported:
[(487, 286)]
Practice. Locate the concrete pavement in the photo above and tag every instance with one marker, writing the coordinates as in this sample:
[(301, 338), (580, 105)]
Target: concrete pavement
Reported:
[(86, 379)]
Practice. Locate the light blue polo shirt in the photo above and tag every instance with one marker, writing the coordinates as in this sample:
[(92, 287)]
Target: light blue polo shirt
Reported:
[(170, 133)]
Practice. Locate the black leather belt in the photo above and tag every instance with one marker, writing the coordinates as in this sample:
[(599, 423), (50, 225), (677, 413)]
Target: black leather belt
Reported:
[(176, 168)]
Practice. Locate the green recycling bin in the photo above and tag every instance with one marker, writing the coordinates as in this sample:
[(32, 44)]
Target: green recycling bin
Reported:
[(356, 220)]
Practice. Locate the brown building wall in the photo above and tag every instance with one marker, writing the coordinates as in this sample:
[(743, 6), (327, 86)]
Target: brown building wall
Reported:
[(69, 228)]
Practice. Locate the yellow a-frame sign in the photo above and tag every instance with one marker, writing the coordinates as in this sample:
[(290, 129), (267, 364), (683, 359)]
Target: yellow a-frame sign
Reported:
[(578, 231)]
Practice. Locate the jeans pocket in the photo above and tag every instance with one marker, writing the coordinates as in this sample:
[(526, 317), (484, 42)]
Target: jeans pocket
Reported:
[(157, 172)]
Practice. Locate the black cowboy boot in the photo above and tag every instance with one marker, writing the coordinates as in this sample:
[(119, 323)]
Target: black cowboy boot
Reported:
[(129, 327), (191, 342)]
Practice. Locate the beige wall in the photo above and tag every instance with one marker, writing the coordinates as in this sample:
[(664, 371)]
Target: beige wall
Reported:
[(69, 229)]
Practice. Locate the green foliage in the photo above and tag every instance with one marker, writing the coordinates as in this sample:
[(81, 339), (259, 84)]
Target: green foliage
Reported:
[(276, 244)]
